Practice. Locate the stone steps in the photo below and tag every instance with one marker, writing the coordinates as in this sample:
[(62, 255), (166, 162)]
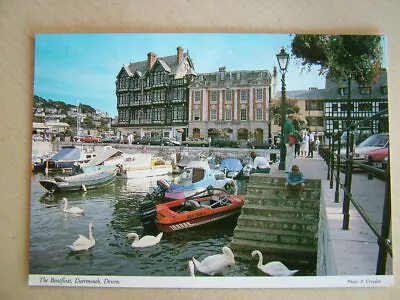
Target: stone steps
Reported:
[(281, 224), (276, 236), (295, 254), (280, 181), (276, 223), (269, 200), (280, 212)]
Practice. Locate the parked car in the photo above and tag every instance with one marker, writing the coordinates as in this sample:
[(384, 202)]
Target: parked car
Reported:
[(90, 139), (111, 139), (142, 140), (169, 142), (258, 144), (224, 141), (378, 158), (195, 142), (39, 138), (374, 142)]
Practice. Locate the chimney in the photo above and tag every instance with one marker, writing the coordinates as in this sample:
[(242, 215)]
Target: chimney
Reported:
[(151, 59), (179, 54)]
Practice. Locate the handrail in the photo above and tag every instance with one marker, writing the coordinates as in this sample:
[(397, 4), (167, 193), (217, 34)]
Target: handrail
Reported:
[(336, 161)]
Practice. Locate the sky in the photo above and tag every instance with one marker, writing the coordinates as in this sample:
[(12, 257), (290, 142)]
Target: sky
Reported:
[(82, 68)]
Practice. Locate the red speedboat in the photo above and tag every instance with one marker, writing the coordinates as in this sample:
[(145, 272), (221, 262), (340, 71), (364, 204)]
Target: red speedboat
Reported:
[(191, 211)]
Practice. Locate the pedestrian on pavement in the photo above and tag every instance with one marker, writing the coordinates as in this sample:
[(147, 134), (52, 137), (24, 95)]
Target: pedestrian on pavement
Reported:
[(311, 144), (260, 163), (304, 144), (289, 130), (295, 179), (317, 142)]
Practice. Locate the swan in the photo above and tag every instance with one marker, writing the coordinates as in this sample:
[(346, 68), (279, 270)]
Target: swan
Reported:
[(191, 268), (273, 268), (72, 210), (214, 264), (83, 243), (145, 241)]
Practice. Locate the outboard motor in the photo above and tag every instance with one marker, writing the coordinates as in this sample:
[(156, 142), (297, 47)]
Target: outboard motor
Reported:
[(147, 207)]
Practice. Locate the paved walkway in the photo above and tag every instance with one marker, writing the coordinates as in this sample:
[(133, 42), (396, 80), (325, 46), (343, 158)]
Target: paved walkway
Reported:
[(354, 251)]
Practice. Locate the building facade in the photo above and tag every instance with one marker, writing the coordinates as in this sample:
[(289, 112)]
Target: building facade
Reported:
[(366, 101), (152, 96), (234, 103)]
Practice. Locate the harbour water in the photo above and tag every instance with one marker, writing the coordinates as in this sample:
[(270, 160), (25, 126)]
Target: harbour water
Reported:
[(113, 212)]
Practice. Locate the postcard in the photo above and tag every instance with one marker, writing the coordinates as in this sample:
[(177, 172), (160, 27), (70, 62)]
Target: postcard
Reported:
[(210, 161)]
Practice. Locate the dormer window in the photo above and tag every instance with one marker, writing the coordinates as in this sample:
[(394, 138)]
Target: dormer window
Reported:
[(384, 89), (365, 90), (343, 91)]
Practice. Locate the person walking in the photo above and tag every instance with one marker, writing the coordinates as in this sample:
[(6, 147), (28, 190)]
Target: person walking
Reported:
[(311, 144), (289, 129), (304, 144)]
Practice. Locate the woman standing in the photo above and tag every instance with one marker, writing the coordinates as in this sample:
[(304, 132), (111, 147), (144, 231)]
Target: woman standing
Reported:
[(304, 144)]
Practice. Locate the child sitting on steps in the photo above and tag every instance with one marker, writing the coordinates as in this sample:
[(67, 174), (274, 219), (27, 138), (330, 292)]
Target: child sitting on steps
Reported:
[(295, 179)]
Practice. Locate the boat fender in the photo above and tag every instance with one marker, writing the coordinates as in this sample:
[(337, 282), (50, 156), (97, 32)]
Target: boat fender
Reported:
[(83, 187), (231, 188)]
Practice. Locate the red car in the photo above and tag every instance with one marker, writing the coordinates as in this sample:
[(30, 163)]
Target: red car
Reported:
[(90, 139), (379, 158)]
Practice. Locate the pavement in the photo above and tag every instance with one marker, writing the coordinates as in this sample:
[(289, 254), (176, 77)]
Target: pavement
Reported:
[(347, 252)]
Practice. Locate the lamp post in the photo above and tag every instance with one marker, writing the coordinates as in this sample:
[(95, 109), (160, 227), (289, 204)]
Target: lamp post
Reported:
[(283, 61)]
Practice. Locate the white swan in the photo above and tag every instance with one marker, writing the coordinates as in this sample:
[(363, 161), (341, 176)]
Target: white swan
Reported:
[(72, 210), (83, 243), (214, 264), (145, 241), (273, 268), (191, 268)]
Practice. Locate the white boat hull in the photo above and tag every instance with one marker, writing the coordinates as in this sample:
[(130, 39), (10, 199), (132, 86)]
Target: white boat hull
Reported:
[(133, 172)]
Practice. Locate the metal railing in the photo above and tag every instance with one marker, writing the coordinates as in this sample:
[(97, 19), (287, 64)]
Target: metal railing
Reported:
[(345, 163)]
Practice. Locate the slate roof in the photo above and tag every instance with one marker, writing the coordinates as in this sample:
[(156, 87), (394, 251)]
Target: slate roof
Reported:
[(170, 64), (331, 90)]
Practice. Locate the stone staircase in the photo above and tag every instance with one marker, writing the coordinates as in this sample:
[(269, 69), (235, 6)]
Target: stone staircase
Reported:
[(278, 223)]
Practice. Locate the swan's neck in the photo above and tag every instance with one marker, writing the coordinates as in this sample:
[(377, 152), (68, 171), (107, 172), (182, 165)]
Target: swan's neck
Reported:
[(91, 234), (260, 259)]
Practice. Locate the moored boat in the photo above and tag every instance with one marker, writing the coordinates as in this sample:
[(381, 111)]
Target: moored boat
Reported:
[(68, 157), (232, 167), (79, 182), (190, 212), (197, 176), (145, 165)]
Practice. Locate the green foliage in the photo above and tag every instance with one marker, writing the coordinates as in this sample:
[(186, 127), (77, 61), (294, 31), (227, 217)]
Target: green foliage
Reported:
[(70, 120), (291, 108), (340, 56)]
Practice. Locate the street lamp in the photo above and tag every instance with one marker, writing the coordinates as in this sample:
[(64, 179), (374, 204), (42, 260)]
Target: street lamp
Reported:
[(283, 61)]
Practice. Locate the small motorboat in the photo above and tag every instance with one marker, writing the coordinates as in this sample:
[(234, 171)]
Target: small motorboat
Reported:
[(79, 182), (214, 205), (232, 167), (197, 176), (107, 159), (145, 165), (68, 157)]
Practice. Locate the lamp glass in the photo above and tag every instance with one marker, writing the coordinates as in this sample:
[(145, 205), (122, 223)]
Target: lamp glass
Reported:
[(283, 59)]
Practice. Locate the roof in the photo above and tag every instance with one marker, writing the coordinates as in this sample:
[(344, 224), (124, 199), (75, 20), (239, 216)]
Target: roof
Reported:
[(169, 63), (67, 153), (39, 126), (102, 156)]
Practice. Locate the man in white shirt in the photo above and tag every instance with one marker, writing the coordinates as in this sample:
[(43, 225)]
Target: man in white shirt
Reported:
[(259, 162)]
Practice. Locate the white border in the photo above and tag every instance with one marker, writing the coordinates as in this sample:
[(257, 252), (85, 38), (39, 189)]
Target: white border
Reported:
[(212, 282)]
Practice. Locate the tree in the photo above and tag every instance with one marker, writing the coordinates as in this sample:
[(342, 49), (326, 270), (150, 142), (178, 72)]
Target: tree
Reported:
[(340, 57), (291, 108)]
